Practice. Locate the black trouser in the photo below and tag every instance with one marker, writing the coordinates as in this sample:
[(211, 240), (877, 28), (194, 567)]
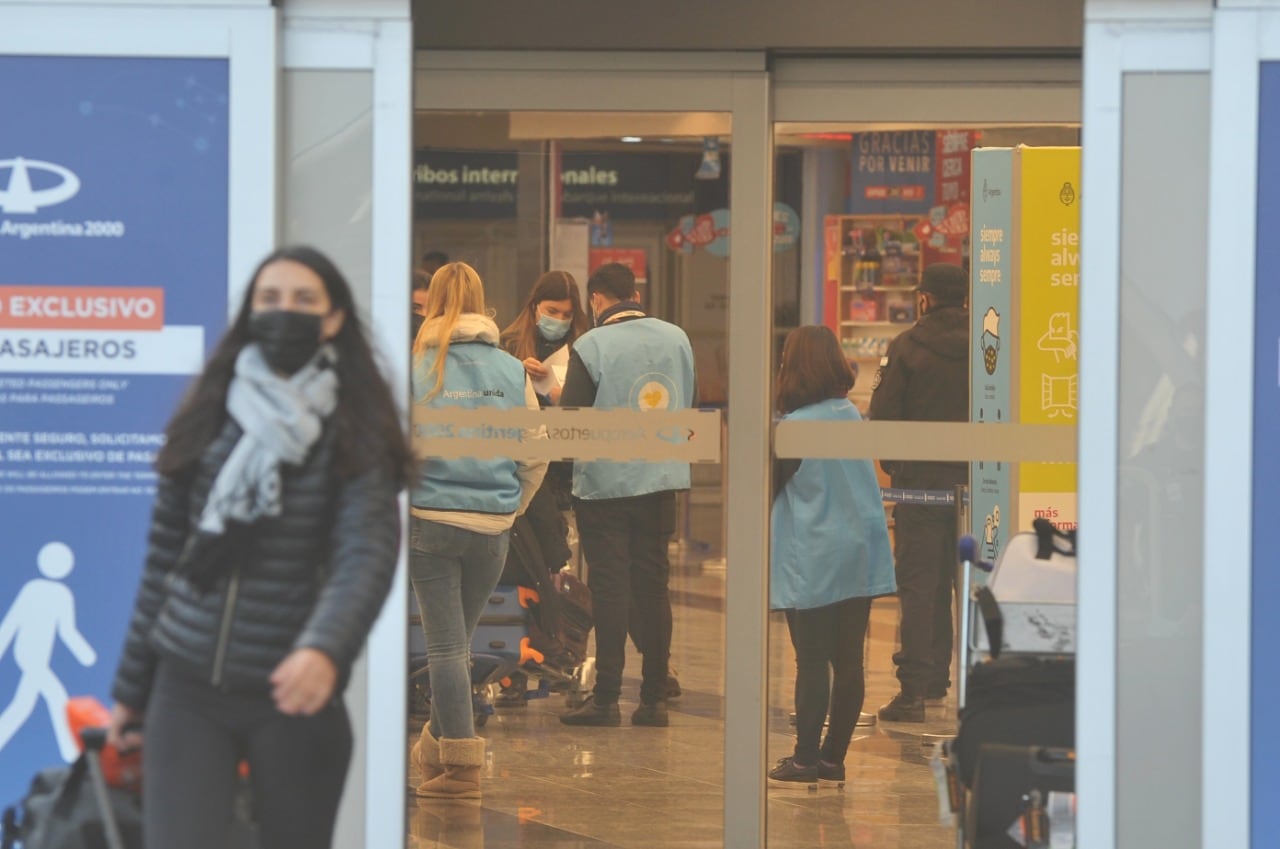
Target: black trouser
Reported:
[(194, 739), (925, 562), (829, 676), (625, 543)]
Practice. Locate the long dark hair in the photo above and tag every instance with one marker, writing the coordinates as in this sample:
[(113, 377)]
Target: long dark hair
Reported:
[(814, 369), (520, 338), (369, 426)]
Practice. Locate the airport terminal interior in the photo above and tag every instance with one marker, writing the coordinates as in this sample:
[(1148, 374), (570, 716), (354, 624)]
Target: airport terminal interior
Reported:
[(760, 169), (516, 193)]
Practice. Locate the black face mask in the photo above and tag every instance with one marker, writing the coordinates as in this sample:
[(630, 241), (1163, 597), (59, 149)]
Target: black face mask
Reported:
[(287, 339), (415, 324)]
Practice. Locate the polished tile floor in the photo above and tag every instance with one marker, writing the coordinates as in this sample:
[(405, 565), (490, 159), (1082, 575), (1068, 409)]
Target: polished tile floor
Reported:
[(548, 785)]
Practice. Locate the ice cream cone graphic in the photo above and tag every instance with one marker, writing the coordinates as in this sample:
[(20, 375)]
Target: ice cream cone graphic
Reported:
[(990, 340)]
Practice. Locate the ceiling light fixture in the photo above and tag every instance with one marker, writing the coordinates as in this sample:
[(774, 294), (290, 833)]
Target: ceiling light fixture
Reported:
[(632, 139)]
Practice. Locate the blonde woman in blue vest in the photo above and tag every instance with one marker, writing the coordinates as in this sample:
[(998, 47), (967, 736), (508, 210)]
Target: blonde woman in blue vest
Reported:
[(829, 557), (462, 512)]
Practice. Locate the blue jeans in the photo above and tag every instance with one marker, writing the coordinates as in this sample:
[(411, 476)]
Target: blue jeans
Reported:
[(454, 572)]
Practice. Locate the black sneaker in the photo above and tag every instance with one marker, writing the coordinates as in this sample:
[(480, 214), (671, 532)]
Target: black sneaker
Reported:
[(903, 708), (653, 715), (590, 713), (673, 687), (831, 772), (936, 693), (788, 770)]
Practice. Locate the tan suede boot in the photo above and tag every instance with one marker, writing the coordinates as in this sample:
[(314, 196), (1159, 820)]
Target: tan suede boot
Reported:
[(424, 758), (462, 759)]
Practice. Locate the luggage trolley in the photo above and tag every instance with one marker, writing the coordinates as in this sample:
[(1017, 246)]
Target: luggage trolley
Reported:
[(1014, 752)]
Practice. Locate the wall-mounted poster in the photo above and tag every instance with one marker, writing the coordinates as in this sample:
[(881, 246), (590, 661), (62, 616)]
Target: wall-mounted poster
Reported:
[(113, 289), (1265, 688), (892, 172)]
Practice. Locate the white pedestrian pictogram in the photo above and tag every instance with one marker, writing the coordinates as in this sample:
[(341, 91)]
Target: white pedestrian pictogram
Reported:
[(43, 613)]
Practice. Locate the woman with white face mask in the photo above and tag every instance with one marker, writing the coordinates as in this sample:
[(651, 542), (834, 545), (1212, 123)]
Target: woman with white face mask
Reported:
[(552, 318)]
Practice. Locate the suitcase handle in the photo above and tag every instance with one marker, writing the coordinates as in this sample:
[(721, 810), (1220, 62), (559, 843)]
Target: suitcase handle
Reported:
[(89, 767)]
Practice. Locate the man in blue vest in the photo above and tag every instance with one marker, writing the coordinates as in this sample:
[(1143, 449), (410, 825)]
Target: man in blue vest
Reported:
[(626, 510)]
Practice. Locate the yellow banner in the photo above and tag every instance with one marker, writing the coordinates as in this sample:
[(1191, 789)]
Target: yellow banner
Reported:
[(1049, 215)]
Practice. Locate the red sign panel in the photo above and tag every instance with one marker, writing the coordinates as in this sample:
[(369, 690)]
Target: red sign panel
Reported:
[(633, 258)]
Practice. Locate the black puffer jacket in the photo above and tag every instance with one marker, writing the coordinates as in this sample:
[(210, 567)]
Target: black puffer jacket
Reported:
[(925, 378), (314, 577)]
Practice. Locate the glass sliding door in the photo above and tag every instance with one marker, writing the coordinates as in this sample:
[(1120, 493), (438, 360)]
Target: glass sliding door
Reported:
[(523, 167), (879, 191)]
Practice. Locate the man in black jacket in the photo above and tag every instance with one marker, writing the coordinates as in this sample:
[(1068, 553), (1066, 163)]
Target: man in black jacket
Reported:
[(925, 377)]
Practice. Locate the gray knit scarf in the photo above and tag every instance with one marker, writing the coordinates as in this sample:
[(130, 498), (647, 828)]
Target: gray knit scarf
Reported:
[(281, 417)]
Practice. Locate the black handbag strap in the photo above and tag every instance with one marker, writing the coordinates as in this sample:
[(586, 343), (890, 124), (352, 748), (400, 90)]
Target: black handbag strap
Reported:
[(69, 792), (1047, 537), (9, 827), (110, 828), (992, 618)]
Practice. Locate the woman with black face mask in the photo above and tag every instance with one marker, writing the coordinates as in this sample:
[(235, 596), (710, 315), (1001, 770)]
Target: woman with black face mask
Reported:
[(273, 544)]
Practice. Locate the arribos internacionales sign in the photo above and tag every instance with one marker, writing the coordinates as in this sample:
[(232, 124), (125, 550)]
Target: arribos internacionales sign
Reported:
[(484, 184)]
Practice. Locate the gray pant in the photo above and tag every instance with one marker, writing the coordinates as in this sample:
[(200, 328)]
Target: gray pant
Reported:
[(925, 563), (454, 572), (195, 738)]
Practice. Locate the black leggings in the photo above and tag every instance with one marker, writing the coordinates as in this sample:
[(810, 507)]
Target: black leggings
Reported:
[(828, 643), (195, 737)]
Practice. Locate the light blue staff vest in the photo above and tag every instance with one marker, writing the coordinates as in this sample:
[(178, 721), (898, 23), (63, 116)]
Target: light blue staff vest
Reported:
[(639, 364), (829, 538), (476, 374)]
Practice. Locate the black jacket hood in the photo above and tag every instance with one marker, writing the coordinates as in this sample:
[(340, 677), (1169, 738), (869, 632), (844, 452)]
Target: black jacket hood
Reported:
[(945, 331)]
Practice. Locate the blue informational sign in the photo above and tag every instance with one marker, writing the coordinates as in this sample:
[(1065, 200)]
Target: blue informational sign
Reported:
[(113, 290), (892, 173), (1265, 689), (991, 285)]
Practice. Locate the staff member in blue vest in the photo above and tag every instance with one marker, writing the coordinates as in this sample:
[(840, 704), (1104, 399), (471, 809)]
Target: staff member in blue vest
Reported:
[(829, 557), (462, 512), (626, 511)]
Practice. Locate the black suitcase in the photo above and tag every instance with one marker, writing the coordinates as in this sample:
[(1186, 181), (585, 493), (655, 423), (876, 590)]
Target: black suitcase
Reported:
[(73, 808), (576, 613), (1002, 788), (1019, 700)]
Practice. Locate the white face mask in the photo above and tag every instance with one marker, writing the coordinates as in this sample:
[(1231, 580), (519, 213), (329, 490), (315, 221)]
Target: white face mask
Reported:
[(553, 329)]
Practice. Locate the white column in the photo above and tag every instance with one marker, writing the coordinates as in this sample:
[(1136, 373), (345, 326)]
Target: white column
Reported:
[(747, 593), (370, 41)]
